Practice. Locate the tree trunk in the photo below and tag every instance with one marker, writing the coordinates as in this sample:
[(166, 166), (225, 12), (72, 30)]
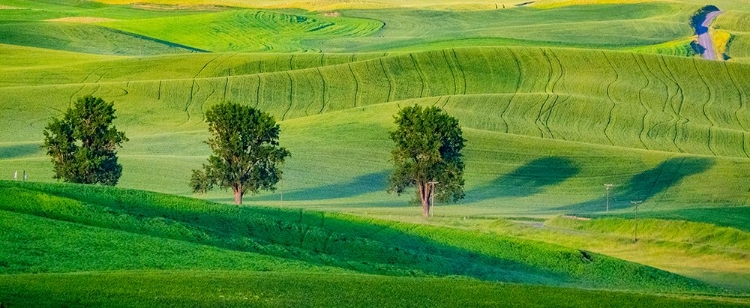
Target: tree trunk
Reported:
[(424, 197), (237, 196)]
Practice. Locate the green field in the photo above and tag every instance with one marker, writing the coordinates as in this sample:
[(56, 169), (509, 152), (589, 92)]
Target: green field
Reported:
[(555, 99)]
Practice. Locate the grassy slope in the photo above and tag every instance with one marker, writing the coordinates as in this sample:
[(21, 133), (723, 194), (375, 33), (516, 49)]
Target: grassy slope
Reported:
[(666, 105), (241, 289), (344, 242), (72, 228), (136, 30)]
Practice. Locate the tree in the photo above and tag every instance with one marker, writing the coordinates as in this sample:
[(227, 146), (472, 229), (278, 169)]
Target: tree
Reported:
[(427, 155), (246, 151), (82, 144)]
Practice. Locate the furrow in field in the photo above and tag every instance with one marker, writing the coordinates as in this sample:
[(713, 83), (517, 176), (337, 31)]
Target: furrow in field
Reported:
[(742, 107), (609, 97), (708, 101), (577, 95)]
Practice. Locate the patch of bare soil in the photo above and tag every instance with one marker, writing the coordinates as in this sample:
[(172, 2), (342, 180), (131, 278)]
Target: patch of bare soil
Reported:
[(331, 14)]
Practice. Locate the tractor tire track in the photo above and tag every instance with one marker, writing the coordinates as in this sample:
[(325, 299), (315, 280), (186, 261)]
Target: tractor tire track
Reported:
[(705, 105), (447, 99), (681, 121), (420, 73), (257, 92), (609, 96), (205, 65), (390, 81), (742, 107), (158, 94), (503, 115), (671, 96), (226, 89), (656, 80), (546, 114), (190, 100), (644, 105), (356, 84), (450, 68), (323, 101), (291, 96), (460, 69)]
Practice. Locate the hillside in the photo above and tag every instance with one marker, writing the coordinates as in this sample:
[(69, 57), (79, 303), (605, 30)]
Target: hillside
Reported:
[(657, 126), (557, 99), (53, 228)]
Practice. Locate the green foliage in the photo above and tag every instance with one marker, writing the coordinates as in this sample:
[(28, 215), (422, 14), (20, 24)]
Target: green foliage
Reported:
[(246, 151), (83, 143), (428, 150)]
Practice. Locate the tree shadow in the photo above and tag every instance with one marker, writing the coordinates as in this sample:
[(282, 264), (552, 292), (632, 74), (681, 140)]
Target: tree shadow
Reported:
[(19, 150), (527, 180), (645, 185), (364, 184)]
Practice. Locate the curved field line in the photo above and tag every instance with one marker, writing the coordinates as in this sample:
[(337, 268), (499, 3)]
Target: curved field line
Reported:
[(390, 81), (450, 67), (640, 100), (203, 103), (678, 112), (356, 84), (447, 99), (670, 99), (72, 100), (205, 65), (257, 92), (513, 95), (226, 88), (291, 96), (460, 69), (421, 74), (705, 105), (190, 100), (547, 113), (656, 80), (323, 102), (741, 108), (609, 96)]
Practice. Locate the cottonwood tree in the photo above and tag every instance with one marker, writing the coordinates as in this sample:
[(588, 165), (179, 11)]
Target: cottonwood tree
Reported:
[(427, 155), (83, 143), (246, 153)]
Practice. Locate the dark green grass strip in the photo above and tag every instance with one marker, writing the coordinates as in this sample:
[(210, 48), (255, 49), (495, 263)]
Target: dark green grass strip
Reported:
[(271, 289)]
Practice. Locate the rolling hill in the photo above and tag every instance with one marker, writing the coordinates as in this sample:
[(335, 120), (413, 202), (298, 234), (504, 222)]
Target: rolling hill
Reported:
[(555, 99)]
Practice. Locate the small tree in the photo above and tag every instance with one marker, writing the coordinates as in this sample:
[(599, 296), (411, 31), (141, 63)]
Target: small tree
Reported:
[(246, 151), (82, 144), (427, 155)]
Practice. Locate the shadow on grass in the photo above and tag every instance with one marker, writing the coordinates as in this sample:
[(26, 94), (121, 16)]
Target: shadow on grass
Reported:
[(357, 244), (19, 150), (361, 185), (645, 185), (529, 179)]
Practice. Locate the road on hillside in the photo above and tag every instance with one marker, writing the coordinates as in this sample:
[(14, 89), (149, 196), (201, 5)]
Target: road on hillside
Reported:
[(704, 36)]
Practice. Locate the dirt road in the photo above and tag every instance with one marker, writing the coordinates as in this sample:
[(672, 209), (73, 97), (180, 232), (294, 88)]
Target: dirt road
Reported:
[(704, 36)]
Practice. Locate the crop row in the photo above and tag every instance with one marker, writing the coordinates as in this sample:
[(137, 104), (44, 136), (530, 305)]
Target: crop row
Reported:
[(622, 99)]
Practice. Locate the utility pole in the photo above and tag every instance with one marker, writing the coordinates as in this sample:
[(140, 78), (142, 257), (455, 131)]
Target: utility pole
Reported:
[(608, 186), (432, 196), (635, 234)]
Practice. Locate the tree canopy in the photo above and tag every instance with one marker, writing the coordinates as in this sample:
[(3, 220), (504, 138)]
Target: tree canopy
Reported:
[(427, 155), (246, 152), (83, 143)]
